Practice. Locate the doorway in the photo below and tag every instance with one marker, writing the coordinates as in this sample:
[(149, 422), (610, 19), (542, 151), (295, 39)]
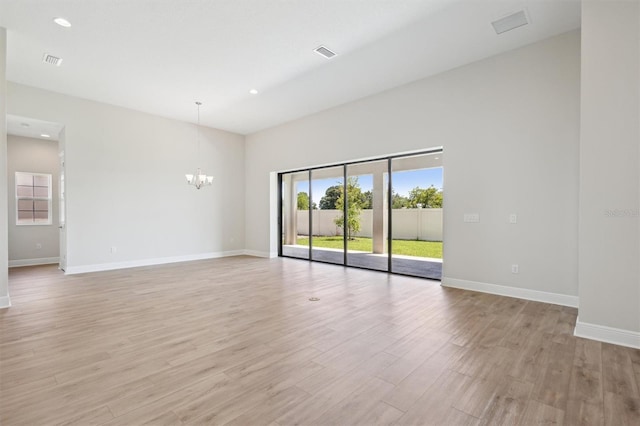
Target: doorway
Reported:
[(36, 204)]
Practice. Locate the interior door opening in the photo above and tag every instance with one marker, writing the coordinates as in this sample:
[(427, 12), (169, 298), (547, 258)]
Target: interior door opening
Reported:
[(36, 210)]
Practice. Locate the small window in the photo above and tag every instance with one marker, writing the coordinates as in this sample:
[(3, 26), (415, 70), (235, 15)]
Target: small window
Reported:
[(33, 199)]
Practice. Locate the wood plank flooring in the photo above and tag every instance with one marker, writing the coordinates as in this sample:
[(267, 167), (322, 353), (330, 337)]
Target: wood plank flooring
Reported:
[(237, 341)]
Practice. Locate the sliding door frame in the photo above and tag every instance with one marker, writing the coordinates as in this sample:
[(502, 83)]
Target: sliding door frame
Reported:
[(390, 218), (389, 159)]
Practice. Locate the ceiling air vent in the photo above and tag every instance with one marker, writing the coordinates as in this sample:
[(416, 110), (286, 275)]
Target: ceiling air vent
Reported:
[(323, 51), (510, 22), (50, 59)]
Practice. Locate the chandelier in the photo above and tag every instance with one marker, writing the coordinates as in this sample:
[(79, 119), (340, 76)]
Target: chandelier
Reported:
[(199, 179)]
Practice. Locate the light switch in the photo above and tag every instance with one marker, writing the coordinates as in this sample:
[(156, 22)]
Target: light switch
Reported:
[(472, 217)]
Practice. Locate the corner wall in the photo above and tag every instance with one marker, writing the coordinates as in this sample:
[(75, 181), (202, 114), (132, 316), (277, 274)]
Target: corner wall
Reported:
[(609, 268), (125, 184), (4, 248), (509, 126)]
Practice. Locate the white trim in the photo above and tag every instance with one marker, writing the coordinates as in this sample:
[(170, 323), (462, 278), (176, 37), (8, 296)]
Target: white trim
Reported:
[(602, 333), (520, 293), (33, 262), (5, 302), (265, 254), (148, 262)]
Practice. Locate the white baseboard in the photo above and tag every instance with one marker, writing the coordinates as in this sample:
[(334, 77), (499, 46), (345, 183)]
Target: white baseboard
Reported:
[(520, 293), (33, 262), (82, 269), (602, 333), (5, 302), (256, 253)]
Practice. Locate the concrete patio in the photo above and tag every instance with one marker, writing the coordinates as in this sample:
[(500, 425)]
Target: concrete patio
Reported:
[(407, 265)]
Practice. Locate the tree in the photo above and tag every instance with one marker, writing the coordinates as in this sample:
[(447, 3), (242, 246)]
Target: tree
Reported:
[(398, 201), (330, 197), (366, 200), (428, 198), (303, 201), (354, 197)]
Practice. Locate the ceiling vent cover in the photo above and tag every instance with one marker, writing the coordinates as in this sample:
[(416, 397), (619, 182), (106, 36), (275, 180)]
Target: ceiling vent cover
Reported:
[(510, 22), (323, 51), (50, 59)]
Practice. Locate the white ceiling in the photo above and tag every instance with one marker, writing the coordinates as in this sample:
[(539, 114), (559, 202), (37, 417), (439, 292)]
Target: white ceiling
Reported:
[(159, 56)]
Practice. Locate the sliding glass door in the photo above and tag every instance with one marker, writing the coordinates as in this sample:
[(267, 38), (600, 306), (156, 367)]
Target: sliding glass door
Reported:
[(417, 215), (367, 215), (384, 214), (327, 240), (294, 204)]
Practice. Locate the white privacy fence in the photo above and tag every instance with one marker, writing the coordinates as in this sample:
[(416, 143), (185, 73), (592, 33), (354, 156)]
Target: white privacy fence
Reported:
[(408, 224)]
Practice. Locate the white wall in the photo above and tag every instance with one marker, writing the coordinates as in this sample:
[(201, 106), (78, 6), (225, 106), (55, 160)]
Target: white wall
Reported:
[(126, 187), (4, 284), (609, 172), (509, 126), (34, 156)]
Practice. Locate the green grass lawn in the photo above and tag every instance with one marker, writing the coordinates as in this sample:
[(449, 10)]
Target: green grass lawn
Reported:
[(400, 247)]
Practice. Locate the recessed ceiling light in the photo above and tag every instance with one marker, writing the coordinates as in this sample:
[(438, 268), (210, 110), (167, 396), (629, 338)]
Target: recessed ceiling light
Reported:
[(253, 91), (62, 22), (44, 135)]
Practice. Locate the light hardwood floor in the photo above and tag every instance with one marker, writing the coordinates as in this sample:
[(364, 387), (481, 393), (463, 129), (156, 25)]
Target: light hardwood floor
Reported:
[(237, 341)]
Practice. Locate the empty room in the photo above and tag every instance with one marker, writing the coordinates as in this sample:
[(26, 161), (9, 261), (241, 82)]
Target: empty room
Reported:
[(320, 212)]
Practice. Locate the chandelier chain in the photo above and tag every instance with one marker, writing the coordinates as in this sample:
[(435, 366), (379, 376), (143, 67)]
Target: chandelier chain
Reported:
[(198, 129)]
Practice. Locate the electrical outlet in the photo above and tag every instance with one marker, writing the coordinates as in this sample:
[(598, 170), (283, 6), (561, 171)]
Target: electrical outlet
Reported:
[(515, 269), (38, 246)]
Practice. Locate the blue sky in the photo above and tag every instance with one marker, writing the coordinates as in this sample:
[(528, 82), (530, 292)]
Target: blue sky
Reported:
[(403, 182)]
